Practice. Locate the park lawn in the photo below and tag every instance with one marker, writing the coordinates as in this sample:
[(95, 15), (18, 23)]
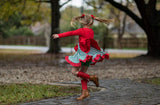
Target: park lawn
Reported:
[(17, 51), (154, 81), (29, 52), (20, 93), (135, 49), (123, 55)]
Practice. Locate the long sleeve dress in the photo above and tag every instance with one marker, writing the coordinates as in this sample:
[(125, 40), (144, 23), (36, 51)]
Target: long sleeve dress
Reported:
[(86, 50)]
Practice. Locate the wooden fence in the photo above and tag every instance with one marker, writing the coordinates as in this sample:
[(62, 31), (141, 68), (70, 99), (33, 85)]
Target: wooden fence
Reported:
[(111, 43), (41, 41), (23, 40), (127, 43)]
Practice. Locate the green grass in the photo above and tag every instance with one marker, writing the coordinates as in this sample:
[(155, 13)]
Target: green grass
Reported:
[(17, 51), (20, 93), (123, 55), (70, 45), (134, 48), (154, 81)]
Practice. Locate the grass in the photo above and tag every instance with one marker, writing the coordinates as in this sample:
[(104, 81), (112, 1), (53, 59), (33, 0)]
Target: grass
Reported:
[(17, 51), (154, 81), (123, 55), (20, 93), (130, 48), (10, 56), (10, 53)]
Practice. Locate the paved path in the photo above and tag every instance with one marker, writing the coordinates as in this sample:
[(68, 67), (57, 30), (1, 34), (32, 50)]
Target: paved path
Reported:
[(68, 50), (118, 92)]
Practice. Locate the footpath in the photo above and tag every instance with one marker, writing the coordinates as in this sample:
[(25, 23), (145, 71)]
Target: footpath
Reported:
[(116, 92)]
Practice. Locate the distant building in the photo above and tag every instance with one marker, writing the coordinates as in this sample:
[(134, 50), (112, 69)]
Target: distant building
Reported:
[(42, 29), (131, 30)]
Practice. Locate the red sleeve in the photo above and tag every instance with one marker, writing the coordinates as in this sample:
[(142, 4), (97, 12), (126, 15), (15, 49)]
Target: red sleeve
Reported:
[(70, 33)]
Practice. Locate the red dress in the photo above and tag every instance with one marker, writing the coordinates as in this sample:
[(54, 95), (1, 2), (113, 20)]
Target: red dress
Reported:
[(86, 43)]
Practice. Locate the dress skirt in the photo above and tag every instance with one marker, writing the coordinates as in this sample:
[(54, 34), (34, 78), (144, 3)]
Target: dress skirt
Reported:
[(93, 55)]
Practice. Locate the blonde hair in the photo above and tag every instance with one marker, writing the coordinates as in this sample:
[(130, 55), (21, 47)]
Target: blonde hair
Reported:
[(89, 20)]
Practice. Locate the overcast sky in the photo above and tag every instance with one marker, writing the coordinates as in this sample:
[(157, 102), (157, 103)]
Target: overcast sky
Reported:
[(77, 3)]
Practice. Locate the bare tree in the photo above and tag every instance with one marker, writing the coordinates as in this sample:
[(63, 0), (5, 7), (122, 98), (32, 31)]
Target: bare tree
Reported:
[(54, 46), (121, 23), (149, 21)]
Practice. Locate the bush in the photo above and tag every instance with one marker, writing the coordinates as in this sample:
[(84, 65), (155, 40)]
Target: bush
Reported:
[(20, 31)]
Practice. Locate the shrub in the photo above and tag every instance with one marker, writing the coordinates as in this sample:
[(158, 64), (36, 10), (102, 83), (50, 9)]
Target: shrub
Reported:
[(20, 31)]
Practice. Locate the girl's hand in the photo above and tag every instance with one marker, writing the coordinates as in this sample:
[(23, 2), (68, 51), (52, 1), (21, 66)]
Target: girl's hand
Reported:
[(55, 36)]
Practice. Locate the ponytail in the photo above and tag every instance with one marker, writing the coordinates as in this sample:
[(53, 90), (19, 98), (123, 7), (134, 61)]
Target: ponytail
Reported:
[(75, 19), (106, 21), (88, 20)]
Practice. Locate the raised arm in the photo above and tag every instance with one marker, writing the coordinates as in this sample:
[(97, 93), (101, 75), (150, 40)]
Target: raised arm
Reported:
[(69, 33)]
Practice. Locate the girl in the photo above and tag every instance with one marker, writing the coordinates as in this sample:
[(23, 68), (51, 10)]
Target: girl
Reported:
[(87, 51)]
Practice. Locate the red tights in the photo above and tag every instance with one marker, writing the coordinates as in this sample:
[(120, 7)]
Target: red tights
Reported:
[(84, 80)]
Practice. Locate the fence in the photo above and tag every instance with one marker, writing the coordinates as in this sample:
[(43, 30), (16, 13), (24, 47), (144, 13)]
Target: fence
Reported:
[(23, 40), (127, 43), (41, 41), (111, 42)]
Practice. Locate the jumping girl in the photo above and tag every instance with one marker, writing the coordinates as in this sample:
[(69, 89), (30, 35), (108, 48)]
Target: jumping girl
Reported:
[(87, 51)]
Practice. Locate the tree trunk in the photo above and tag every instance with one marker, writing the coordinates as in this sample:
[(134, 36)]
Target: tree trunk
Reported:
[(55, 14), (153, 36), (152, 28), (105, 34), (120, 41)]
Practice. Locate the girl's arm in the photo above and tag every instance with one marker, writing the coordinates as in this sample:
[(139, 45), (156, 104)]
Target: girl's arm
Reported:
[(69, 33)]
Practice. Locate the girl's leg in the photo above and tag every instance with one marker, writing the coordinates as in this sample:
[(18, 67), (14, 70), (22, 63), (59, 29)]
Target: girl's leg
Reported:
[(75, 70), (84, 69), (83, 75), (85, 92), (84, 81)]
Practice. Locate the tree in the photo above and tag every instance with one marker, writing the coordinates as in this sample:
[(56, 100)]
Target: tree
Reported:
[(121, 22), (55, 16), (149, 21), (19, 15), (55, 20)]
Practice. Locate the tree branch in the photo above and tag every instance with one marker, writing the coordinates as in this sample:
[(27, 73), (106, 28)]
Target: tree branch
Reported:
[(147, 11), (141, 7), (46, 1), (91, 5), (127, 11), (64, 3), (39, 4), (124, 21)]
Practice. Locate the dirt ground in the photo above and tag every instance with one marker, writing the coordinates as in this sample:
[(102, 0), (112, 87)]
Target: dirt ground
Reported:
[(46, 68)]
